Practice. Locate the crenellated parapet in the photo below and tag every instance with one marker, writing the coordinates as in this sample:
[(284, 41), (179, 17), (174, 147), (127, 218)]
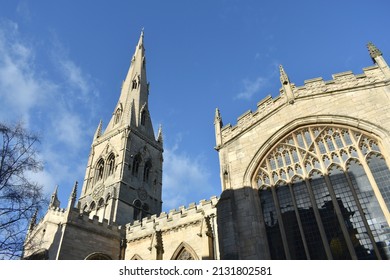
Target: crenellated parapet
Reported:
[(174, 220), (83, 220), (341, 83)]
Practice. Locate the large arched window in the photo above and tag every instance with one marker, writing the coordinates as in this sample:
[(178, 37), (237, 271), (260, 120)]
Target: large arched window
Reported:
[(184, 252), (98, 256), (324, 192)]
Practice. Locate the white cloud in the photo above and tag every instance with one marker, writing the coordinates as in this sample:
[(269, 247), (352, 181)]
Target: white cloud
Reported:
[(251, 87), (184, 176), (59, 107), (80, 83), (21, 88)]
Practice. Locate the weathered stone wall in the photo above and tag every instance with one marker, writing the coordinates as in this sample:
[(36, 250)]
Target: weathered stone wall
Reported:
[(83, 237), (190, 228), (358, 101)]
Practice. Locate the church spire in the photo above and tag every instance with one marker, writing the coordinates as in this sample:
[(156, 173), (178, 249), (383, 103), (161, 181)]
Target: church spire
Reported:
[(125, 162), (132, 107)]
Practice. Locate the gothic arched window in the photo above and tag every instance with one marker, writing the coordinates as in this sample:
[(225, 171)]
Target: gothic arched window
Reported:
[(99, 170), (147, 168), (118, 114), (111, 164), (136, 164), (324, 193), (134, 84), (92, 206), (143, 117), (184, 252), (137, 210)]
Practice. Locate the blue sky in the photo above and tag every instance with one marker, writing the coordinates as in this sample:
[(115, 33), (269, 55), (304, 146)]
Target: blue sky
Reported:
[(62, 64)]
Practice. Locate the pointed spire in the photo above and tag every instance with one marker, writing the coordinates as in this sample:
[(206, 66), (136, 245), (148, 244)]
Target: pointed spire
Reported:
[(218, 128), (218, 118), (73, 195), (135, 94), (140, 46), (33, 220), (98, 132), (283, 76), (141, 38), (160, 138), (54, 202), (287, 87), (374, 51)]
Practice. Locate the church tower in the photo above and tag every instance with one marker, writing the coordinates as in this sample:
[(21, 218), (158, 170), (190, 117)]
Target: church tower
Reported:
[(123, 178)]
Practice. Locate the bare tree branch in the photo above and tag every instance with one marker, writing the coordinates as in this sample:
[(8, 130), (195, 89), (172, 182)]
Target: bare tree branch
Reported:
[(19, 197)]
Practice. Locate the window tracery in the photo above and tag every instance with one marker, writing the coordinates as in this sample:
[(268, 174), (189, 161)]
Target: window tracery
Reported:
[(99, 170), (336, 214), (147, 168), (311, 145), (111, 164), (118, 114), (136, 164)]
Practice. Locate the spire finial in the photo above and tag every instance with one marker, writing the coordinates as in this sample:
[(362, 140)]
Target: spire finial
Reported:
[(98, 132), (287, 86), (73, 195), (74, 191), (374, 51), (160, 138), (218, 118), (33, 221), (141, 39), (54, 202), (283, 76)]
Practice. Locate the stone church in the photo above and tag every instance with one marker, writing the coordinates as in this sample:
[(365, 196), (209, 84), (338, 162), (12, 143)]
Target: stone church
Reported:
[(305, 176)]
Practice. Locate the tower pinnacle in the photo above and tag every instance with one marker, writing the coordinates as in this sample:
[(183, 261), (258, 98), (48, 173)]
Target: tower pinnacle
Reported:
[(54, 202), (377, 58), (287, 87), (374, 51), (98, 132), (218, 127), (73, 196), (283, 76)]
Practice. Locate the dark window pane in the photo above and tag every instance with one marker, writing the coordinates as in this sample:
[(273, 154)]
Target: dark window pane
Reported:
[(272, 225), (294, 238)]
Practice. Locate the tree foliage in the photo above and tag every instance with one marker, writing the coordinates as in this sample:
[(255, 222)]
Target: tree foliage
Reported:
[(20, 197)]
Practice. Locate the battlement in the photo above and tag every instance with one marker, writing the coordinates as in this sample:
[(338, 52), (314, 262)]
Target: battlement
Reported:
[(84, 219), (341, 83), (175, 218), (57, 210)]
